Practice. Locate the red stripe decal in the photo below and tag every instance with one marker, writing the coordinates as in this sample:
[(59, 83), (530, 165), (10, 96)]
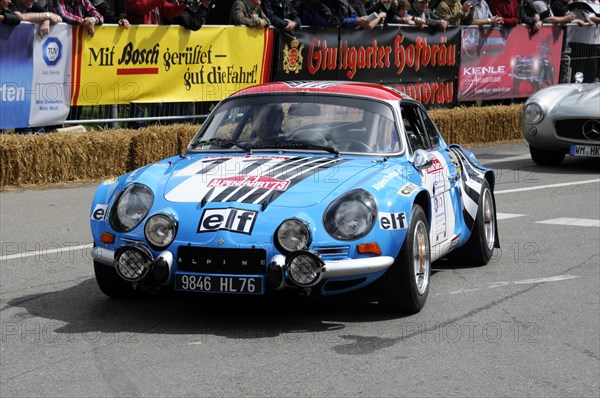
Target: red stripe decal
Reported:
[(77, 44), (137, 71)]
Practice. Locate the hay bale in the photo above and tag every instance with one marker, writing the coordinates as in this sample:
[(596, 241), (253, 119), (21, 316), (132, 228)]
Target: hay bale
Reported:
[(62, 157), (478, 125), (154, 143), (70, 156)]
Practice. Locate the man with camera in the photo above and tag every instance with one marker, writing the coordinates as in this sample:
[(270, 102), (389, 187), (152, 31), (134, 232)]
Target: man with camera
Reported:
[(455, 13)]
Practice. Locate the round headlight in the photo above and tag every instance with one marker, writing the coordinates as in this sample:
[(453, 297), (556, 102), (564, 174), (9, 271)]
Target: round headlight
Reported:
[(351, 216), (160, 230), (131, 207), (292, 235), (533, 113)]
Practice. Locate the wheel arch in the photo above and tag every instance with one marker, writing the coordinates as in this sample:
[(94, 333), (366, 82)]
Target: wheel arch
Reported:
[(422, 199)]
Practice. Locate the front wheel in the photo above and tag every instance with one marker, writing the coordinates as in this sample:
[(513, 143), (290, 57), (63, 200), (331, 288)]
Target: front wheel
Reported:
[(546, 158), (405, 285), (479, 248), (111, 283)]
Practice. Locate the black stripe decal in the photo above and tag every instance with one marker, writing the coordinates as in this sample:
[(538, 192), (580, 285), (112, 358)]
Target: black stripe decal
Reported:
[(473, 194), (294, 170), (211, 164), (468, 219)]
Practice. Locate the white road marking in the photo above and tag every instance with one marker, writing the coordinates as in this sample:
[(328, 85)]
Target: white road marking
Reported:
[(549, 279), (564, 184), (495, 285), (577, 222), (43, 252), (506, 216), (502, 160)]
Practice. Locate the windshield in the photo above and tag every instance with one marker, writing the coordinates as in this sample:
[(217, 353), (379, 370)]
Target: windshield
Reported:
[(300, 122)]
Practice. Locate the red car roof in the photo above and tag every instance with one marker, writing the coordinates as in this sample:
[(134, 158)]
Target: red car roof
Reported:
[(326, 87)]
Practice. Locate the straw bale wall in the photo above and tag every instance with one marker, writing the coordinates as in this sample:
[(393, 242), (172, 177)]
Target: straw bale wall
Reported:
[(93, 156)]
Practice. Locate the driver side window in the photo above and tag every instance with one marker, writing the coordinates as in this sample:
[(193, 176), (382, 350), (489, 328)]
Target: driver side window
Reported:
[(415, 131)]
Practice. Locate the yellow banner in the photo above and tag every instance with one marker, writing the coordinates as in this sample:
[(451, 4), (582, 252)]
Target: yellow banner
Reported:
[(167, 63)]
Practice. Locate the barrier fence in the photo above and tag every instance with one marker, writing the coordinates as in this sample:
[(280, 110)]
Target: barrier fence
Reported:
[(167, 74)]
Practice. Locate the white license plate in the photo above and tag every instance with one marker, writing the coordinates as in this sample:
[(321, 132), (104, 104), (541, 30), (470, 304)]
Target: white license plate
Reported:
[(218, 283), (585, 150)]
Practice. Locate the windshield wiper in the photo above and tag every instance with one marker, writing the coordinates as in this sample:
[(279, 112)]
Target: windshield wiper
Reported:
[(294, 145), (220, 142)]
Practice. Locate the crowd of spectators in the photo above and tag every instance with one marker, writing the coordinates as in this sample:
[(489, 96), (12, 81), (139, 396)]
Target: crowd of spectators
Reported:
[(291, 15)]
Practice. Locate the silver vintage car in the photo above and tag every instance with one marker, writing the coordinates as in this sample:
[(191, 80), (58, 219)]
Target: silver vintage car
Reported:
[(563, 120)]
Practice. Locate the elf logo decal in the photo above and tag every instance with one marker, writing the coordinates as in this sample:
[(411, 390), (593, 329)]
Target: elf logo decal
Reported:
[(392, 220), (235, 220), (99, 213)]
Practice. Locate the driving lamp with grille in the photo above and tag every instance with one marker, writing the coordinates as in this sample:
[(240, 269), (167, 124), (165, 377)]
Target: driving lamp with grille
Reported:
[(304, 268)]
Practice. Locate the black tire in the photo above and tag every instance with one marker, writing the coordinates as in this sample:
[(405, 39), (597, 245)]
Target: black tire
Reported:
[(480, 247), (111, 283), (546, 158), (401, 289)]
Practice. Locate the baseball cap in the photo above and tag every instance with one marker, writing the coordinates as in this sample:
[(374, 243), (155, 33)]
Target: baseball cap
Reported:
[(583, 5)]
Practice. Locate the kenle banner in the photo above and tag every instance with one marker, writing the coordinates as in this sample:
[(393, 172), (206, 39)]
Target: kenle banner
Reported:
[(500, 63)]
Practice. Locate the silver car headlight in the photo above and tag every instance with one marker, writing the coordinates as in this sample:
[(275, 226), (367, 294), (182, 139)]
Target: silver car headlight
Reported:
[(533, 113), (292, 235), (131, 207), (160, 230), (351, 216)]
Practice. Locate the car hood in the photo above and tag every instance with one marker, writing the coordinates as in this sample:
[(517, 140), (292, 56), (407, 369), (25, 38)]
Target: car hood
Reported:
[(574, 99), (292, 181)]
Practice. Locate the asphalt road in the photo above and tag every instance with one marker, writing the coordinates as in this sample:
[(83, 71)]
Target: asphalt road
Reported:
[(527, 324)]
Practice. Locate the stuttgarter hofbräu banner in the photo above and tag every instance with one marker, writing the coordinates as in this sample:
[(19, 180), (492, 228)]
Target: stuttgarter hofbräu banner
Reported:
[(421, 62), (35, 74), (500, 63), (167, 63)]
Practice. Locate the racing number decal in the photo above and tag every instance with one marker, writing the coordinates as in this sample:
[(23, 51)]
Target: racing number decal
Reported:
[(436, 181)]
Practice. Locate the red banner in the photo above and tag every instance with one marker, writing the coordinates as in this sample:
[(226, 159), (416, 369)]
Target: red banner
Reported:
[(498, 63)]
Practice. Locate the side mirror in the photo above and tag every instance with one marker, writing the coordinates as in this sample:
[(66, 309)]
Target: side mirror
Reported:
[(578, 77), (422, 159)]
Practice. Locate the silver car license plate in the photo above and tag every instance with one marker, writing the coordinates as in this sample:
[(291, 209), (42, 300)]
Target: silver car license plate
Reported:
[(585, 150)]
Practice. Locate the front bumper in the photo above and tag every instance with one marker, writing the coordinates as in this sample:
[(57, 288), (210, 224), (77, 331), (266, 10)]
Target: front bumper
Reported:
[(276, 271)]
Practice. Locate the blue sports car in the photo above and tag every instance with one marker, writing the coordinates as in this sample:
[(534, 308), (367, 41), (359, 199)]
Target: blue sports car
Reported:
[(316, 187)]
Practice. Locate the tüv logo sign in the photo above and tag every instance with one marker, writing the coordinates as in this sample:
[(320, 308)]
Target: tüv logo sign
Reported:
[(52, 51)]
